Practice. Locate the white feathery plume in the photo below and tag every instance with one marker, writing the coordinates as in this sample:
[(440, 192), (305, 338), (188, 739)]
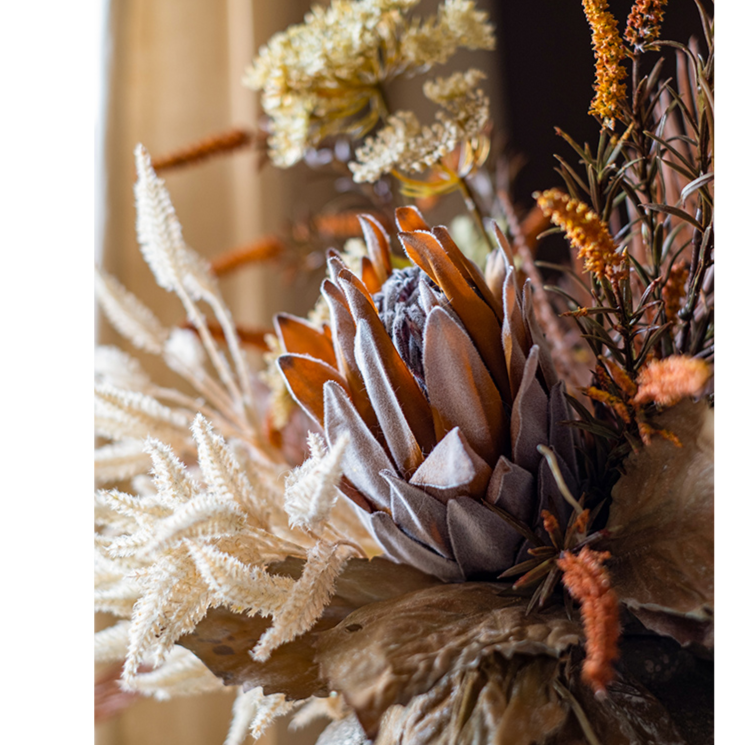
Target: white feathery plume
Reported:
[(204, 515), (244, 710), (184, 351), (310, 490), (174, 598), (120, 413), (241, 586), (114, 366), (120, 460), (128, 315), (221, 471), (175, 266), (268, 708), (182, 674), (174, 485), (110, 644), (307, 599)]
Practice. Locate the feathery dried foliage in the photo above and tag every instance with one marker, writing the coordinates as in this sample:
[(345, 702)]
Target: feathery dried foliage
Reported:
[(327, 75)]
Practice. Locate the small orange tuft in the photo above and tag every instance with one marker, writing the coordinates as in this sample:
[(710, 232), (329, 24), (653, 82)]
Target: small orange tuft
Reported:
[(588, 583), (670, 380), (217, 144), (674, 289)]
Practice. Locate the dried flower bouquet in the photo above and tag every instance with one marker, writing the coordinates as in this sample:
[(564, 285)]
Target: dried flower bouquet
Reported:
[(490, 540)]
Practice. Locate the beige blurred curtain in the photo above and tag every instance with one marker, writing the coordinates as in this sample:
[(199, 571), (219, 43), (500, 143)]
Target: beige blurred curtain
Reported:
[(173, 76)]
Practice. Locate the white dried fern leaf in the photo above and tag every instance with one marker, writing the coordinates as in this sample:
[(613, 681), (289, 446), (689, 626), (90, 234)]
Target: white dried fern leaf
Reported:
[(114, 366), (241, 586), (172, 482), (268, 708), (120, 460), (174, 599), (307, 599), (110, 644), (310, 490), (182, 674), (128, 315), (120, 414), (221, 472)]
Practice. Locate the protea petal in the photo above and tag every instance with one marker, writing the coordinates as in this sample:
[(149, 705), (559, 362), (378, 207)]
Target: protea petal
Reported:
[(406, 550), (410, 218), (560, 435), (305, 377), (417, 513), (370, 276), (466, 267), (300, 337), (513, 489), (482, 541), (461, 391), (344, 329), (529, 419), (364, 458), (478, 318), (389, 383), (515, 338), (550, 378), (378, 246)]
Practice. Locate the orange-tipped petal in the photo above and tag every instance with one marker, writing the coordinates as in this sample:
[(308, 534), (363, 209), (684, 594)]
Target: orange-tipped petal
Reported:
[(300, 337), (410, 218), (370, 276), (305, 377), (478, 318), (378, 246)]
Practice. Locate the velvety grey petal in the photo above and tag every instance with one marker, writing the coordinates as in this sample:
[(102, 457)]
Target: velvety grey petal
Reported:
[(529, 422), (399, 547), (514, 335), (453, 469), (483, 543), (461, 390), (364, 458), (562, 437), (421, 516), (513, 489), (536, 336), (400, 439)]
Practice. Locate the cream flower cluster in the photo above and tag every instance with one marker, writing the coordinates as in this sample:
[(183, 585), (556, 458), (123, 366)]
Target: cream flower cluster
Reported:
[(323, 76), (406, 145)]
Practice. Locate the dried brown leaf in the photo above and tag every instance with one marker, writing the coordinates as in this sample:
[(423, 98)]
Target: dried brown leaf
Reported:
[(662, 521)]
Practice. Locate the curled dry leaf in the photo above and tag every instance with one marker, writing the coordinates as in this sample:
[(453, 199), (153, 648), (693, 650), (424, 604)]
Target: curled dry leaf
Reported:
[(662, 524), (223, 640), (388, 652)]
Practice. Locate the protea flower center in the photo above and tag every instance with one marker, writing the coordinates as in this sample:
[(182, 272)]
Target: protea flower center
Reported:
[(402, 310), (444, 393)]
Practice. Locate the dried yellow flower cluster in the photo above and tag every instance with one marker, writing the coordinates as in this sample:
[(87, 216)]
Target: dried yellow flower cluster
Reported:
[(610, 91), (643, 25), (586, 231), (324, 76), (406, 145)]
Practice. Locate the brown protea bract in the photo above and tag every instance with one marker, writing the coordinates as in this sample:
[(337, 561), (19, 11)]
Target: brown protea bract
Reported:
[(445, 391)]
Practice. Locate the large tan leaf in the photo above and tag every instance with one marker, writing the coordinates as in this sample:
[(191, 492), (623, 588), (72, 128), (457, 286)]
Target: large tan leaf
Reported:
[(388, 652), (223, 640), (662, 518)]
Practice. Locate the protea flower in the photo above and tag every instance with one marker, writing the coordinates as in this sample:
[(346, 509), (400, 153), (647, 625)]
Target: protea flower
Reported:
[(444, 385)]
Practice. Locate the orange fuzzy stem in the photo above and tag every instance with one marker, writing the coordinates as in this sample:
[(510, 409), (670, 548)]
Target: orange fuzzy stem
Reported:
[(251, 337), (262, 249), (588, 583), (610, 91), (586, 232), (218, 144), (675, 289)]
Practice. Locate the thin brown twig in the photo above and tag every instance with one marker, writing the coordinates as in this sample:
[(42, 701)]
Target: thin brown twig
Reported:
[(264, 248)]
